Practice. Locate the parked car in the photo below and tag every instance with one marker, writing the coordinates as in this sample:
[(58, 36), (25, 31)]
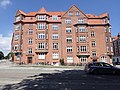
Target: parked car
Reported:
[(101, 68)]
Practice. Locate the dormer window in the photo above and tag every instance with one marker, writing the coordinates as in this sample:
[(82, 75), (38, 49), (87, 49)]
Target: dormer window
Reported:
[(18, 18), (41, 17), (54, 17)]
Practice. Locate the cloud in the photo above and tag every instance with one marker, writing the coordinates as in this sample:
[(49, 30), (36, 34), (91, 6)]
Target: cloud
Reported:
[(5, 44), (5, 3)]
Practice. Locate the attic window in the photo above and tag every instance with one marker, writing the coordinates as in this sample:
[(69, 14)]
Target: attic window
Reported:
[(18, 18), (77, 13), (70, 13)]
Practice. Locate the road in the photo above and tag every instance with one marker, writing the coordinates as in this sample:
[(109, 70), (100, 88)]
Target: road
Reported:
[(30, 78)]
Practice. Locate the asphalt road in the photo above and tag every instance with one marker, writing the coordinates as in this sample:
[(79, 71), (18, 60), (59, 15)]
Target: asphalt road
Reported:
[(29, 78)]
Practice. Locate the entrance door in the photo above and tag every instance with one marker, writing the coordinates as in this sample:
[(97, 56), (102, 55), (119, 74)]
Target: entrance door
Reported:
[(29, 60)]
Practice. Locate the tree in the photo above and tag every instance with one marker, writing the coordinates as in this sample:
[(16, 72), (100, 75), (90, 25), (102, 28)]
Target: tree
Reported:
[(1, 55), (9, 55)]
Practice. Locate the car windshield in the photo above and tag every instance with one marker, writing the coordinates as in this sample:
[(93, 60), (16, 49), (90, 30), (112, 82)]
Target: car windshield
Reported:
[(106, 65)]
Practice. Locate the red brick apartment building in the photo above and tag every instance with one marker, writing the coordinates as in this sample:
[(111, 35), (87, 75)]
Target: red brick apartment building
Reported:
[(116, 49), (47, 37)]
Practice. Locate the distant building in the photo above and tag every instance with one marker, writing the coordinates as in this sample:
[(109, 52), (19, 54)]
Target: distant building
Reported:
[(46, 37), (116, 49)]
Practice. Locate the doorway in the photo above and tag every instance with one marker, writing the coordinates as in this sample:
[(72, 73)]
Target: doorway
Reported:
[(29, 60)]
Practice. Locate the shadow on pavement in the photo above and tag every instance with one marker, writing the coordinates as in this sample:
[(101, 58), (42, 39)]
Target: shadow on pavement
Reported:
[(67, 80)]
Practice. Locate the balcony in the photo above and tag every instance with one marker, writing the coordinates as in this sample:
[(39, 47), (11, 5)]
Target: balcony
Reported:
[(79, 54), (41, 51)]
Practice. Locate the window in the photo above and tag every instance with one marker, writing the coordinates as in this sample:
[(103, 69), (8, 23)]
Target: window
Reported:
[(29, 50), (93, 53), (55, 46), (76, 30), (103, 59), (16, 36), (70, 13), (82, 29), (17, 27), (41, 45), (41, 17), (108, 49), (77, 39), (105, 29), (41, 55), (55, 27), (68, 30), (30, 41), (92, 34), (80, 20), (30, 31), (68, 21), (54, 17), (83, 48), (41, 26), (69, 59), (55, 55), (106, 39), (82, 38), (69, 39), (22, 27), (16, 47), (54, 36), (77, 13), (69, 48), (83, 59), (18, 18), (93, 43), (41, 36)]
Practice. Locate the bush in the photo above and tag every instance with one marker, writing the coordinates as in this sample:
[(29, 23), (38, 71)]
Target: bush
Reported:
[(62, 62)]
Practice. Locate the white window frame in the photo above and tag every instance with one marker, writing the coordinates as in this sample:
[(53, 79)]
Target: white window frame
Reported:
[(41, 17), (82, 29), (55, 55), (41, 36), (69, 39), (70, 59), (54, 17), (30, 32), (17, 27), (80, 20), (83, 48), (54, 36), (41, 56), (82, 38), (68, 21), (30, 41), (41, 45), (54, 26), (16, 47), (29, 50), (83, 59), (41, 26), (16, 36), (68, 30), (55, 46), (69, 49)]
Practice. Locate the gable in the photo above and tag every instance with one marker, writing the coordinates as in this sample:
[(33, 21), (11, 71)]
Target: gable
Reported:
[(74, 11)]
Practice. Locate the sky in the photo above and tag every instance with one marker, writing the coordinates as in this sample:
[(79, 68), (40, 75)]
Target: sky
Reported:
[(8, 10)]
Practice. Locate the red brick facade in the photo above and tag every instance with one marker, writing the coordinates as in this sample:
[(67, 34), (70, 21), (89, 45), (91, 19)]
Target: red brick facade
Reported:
[(47, 37)]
